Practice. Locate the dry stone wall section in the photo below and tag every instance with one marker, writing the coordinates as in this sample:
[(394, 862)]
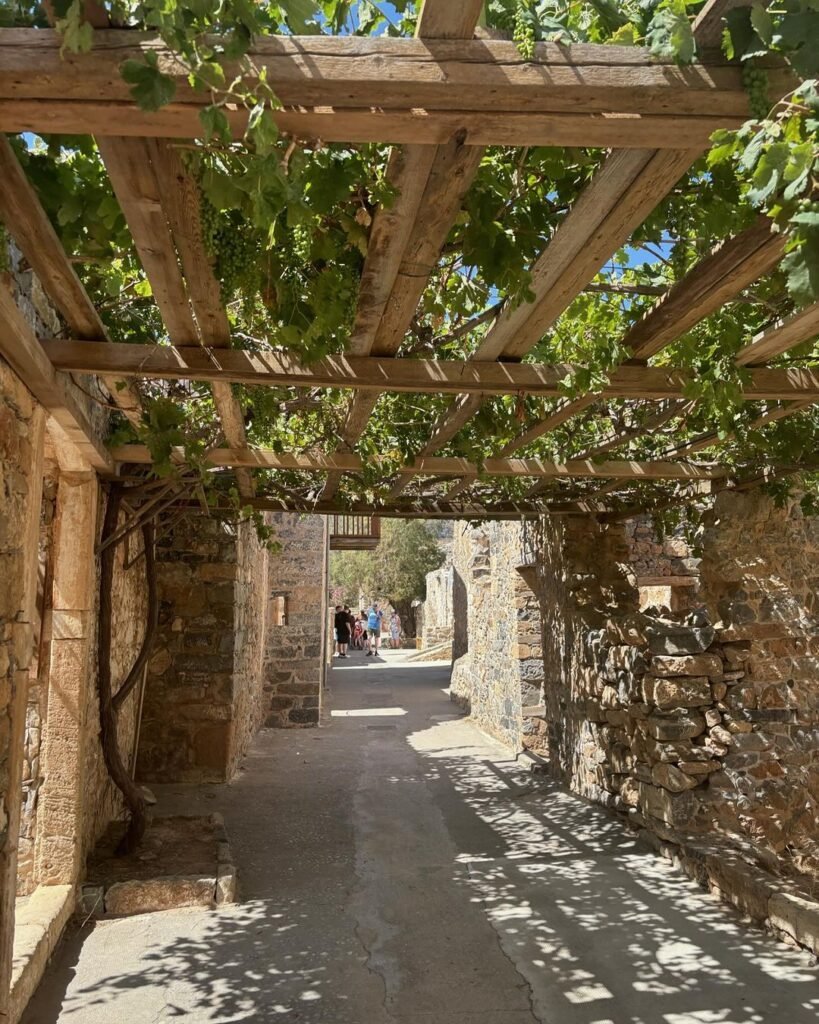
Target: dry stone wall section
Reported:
[(204, 692), (701, 726), (497, 669), (297, 621)]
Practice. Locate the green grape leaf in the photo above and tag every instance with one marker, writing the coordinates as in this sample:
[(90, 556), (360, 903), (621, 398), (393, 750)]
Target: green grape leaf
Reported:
[(768, 172), (802, 268), (150, 88), (77, 33), (215, 122), (669, 34)]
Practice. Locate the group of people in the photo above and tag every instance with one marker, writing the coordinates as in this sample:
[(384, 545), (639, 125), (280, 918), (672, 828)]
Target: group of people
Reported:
[(363, 631)]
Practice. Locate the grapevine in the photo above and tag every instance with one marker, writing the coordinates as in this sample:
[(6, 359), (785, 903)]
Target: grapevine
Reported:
[(286, 225), (755, 81), (524, 31), (234, 248)]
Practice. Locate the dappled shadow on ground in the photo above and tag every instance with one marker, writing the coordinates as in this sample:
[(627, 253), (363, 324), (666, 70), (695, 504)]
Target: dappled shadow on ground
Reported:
[(605, 932), (598, 931)]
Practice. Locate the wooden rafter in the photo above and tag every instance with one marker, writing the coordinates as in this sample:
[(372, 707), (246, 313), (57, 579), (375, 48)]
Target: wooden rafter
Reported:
[(374, 375), (348, 462), (23, 214), (65, 403), (620, 196), (162, 217), (426, 90), (794, 330), (181, 202), (718, 278), (406, 239)]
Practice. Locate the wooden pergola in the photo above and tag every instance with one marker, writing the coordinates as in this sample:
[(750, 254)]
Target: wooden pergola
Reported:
[(439, 98)]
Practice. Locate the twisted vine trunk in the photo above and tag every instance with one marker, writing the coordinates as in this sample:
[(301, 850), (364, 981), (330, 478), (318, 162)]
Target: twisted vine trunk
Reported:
[(111, 702)]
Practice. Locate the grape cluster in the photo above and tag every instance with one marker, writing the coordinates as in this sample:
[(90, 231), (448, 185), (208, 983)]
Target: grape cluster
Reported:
[(524, 30), (755, 81), (232, 245)]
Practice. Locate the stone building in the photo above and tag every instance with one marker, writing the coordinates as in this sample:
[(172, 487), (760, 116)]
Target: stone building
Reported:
[(678, 691), (241, 645), (700, 725)]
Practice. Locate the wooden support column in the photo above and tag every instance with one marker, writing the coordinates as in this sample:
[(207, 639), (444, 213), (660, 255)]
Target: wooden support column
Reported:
[(59, 816)]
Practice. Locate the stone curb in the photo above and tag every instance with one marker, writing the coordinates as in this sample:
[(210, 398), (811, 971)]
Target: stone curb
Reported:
[(770, 902), (166, 892)]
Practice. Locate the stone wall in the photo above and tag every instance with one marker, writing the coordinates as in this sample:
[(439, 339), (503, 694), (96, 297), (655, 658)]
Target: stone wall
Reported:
[(297, 621), (497, 669), (697, 724), (760, 579), (435, 616), (37, 693), (22, 424), (203, 698)]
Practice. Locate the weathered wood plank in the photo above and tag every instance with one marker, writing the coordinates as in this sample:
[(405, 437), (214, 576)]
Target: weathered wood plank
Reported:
[(377, 374), (794, 330), (181, 203), (411, 127), (129, 166), (404, 74), (408, 173), (435, 466), (733, 265), (23, 214), (22, 351)]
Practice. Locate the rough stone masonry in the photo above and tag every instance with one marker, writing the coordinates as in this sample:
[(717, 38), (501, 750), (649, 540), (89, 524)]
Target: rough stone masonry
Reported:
[(700, 726)]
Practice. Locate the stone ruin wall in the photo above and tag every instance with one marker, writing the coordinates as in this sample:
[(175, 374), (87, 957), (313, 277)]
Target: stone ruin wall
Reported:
[(102, 802), (700, 726), (204, 688), (434, 618), (296, 648), (21, 436), (497, 668)]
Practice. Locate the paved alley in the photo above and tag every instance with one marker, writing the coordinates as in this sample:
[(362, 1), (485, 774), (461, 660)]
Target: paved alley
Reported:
[(398, 867)]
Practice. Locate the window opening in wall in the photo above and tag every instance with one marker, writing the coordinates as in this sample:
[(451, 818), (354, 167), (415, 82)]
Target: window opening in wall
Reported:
[(278, 614)]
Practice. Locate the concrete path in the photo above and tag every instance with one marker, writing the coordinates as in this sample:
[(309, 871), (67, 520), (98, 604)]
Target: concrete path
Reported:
[(398, 867)]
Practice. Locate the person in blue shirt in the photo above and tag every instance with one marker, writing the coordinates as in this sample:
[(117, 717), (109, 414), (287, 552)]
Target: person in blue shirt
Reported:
[(374, 619)]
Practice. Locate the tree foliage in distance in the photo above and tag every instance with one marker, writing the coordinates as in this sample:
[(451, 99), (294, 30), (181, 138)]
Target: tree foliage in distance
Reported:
[(395, 571), (287, 223)]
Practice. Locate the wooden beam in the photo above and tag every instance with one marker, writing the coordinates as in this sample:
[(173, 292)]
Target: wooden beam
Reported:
[(374, 374), (619, 197), (67, 406), (722, 275), (412, 509), (23, 214), (181, 202), (163, 212), (406, 240), (794, 330), (403, 127), (352, 72), (718, 278), (129, 166), (442, 19), (709, 25), (349, 463)]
